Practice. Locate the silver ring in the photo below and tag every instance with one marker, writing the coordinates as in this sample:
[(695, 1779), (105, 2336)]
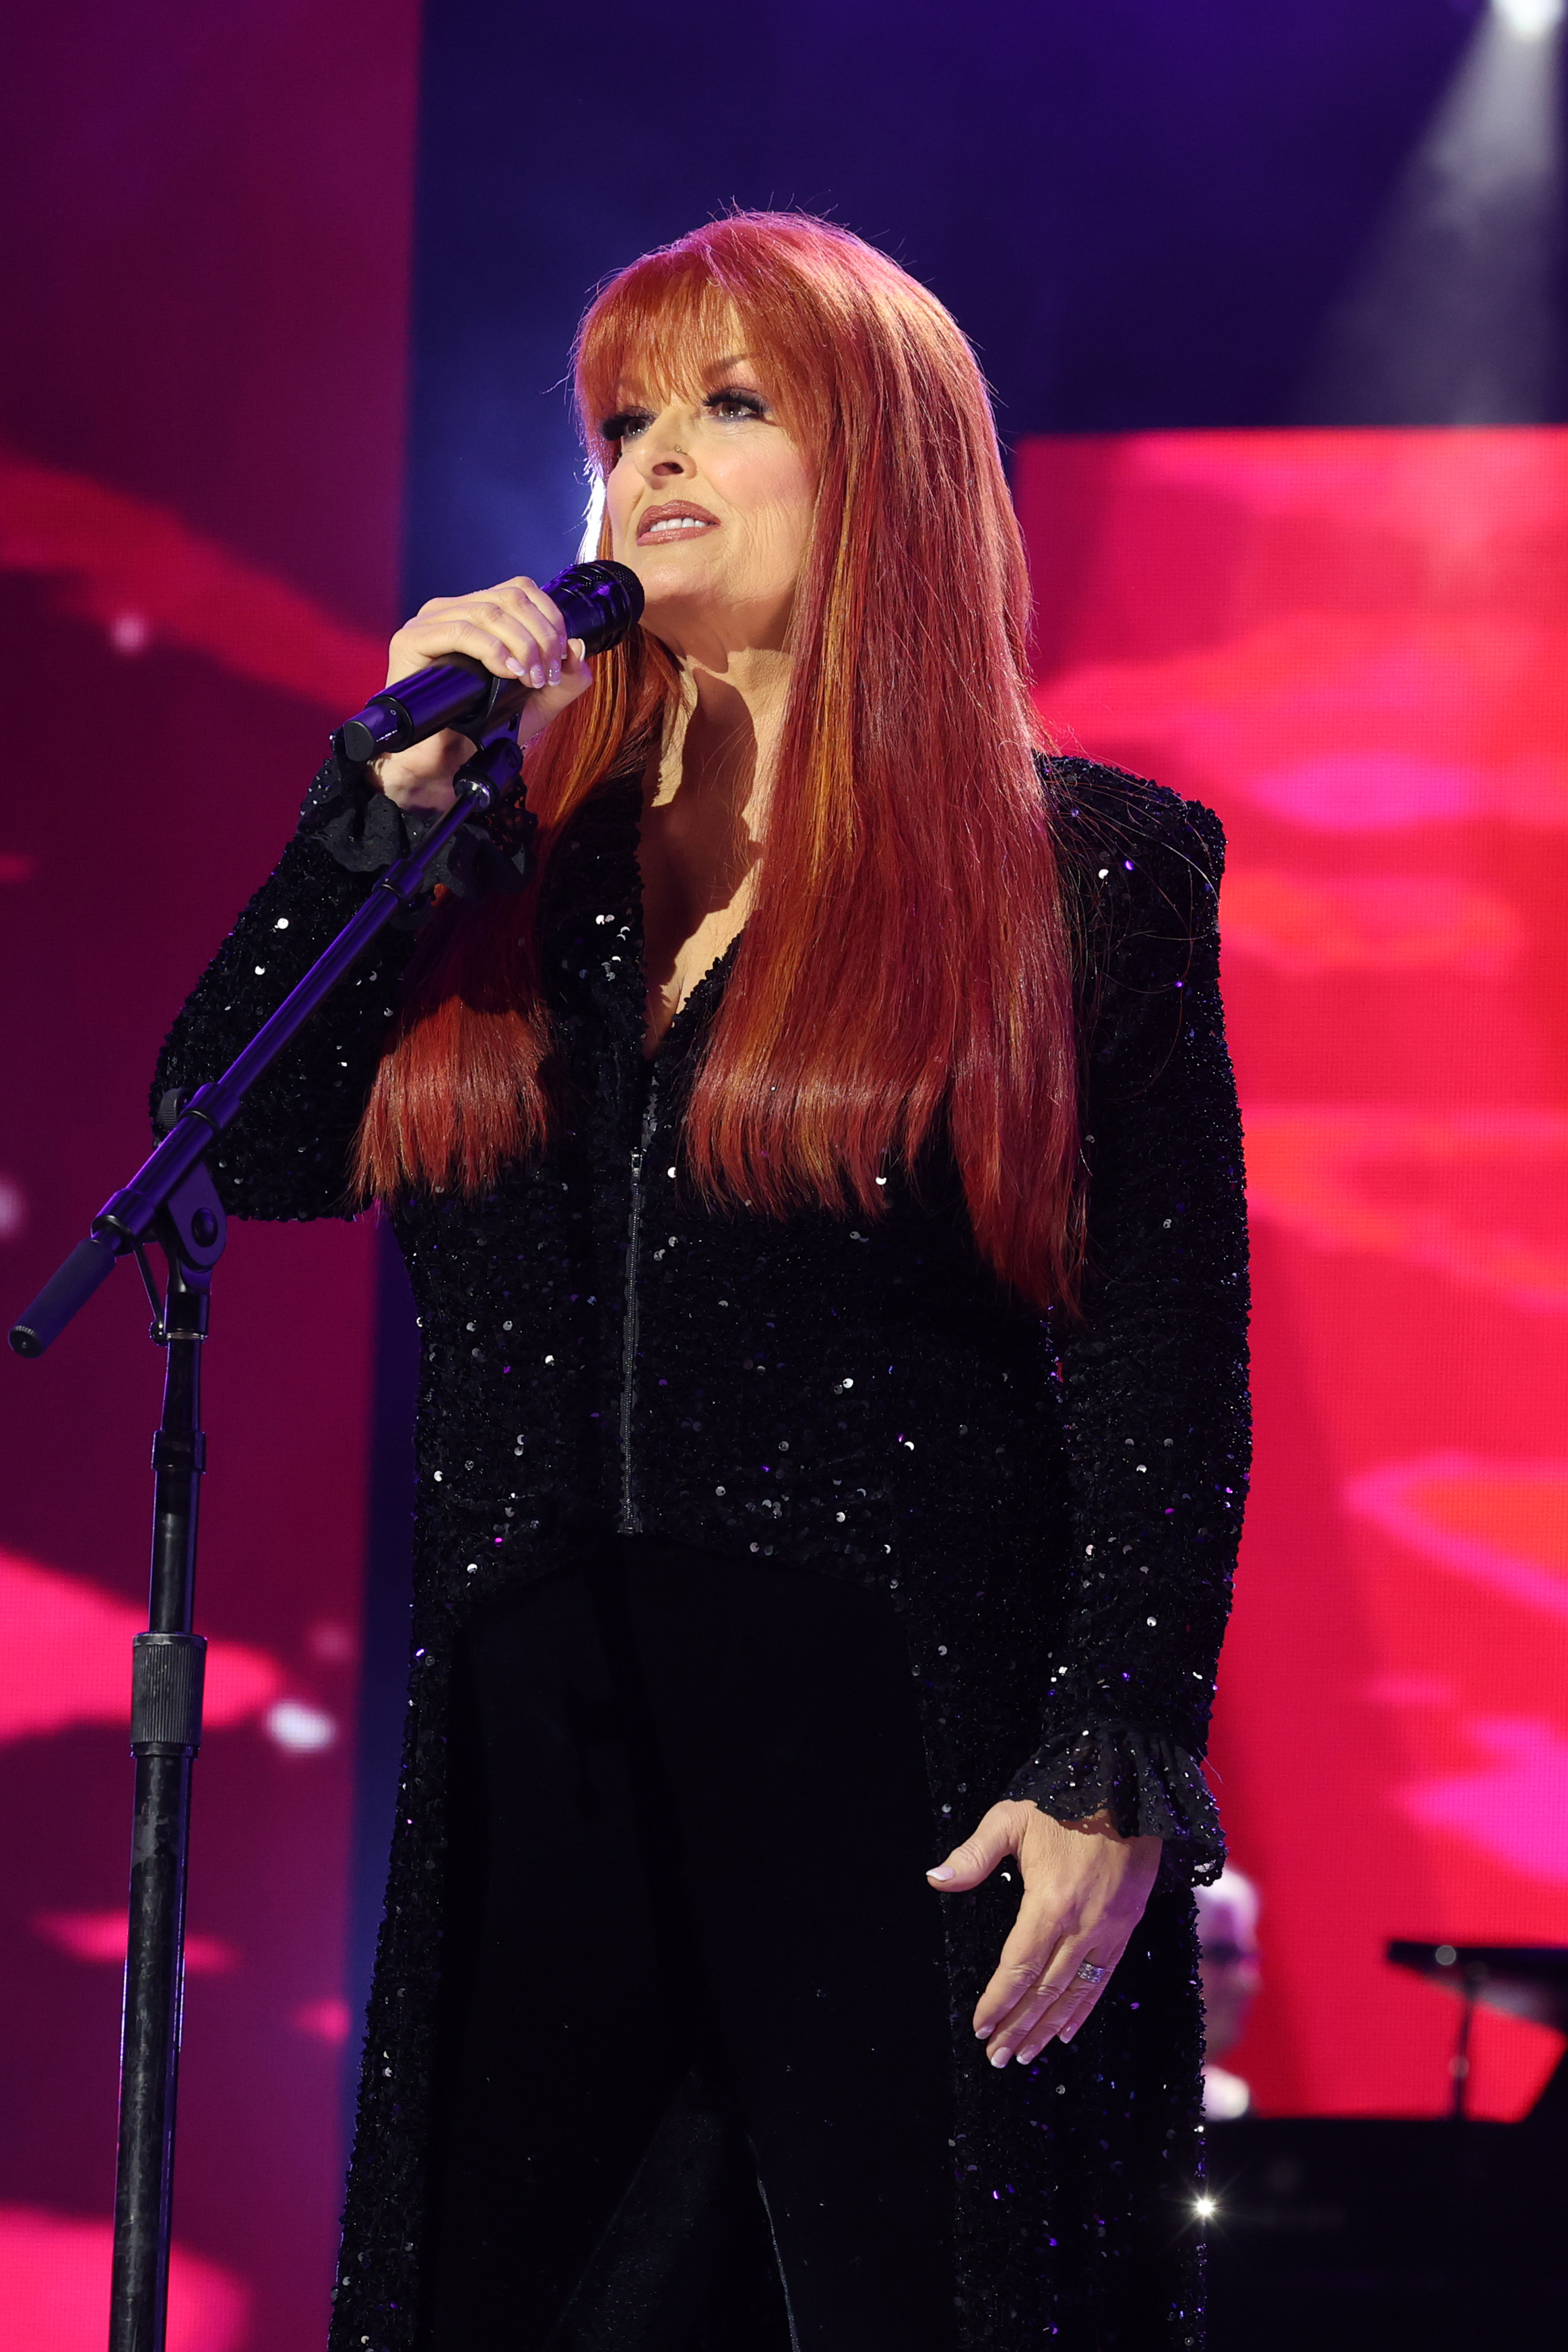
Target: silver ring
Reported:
[(1091, 1973)]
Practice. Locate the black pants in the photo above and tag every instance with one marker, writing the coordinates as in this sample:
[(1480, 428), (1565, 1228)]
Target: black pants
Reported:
[(696, 2064)]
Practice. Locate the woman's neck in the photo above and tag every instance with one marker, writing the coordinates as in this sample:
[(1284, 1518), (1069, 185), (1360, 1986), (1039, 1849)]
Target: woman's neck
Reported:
[(703, 820), (723, 736)]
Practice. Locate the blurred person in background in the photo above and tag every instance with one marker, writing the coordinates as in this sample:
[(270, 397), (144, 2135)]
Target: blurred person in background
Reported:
[(1227, 1940)]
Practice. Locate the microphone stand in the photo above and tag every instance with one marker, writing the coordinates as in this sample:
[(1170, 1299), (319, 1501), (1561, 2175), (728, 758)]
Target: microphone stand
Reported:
[(172, 1200)]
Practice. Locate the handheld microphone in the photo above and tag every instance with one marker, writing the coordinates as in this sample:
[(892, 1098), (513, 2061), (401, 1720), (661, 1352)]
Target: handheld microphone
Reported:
[(600, 603)]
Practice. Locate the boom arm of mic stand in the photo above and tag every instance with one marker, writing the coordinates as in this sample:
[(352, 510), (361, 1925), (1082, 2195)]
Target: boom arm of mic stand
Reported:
[(126, 1218)]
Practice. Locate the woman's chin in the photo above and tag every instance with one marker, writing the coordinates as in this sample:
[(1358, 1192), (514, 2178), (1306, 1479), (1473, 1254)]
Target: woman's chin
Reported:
[(678, 573), (676, 590)]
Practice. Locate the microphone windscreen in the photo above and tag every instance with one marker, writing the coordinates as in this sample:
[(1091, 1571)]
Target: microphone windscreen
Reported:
[(601, 602)]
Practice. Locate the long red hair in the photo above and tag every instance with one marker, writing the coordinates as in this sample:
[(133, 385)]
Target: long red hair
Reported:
[(905, 961)]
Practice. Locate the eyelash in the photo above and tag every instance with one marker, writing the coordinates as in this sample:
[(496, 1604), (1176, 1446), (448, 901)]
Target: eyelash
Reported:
[(619, 427)]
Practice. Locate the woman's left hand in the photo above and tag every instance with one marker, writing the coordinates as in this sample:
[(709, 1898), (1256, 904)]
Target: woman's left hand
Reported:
[(1086, 1886)]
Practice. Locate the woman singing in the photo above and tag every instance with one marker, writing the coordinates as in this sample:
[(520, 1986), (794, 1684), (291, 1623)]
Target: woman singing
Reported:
[(817, 1162)]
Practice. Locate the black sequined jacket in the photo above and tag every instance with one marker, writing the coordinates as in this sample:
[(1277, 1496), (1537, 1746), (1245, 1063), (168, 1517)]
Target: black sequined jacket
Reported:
[(1053, 1505)]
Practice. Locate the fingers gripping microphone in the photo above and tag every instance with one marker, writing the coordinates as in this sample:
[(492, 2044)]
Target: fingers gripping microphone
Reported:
[(600, 603)]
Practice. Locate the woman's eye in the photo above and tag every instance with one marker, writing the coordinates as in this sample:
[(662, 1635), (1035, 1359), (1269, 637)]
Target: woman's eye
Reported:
[(732, 408), (735, 405)]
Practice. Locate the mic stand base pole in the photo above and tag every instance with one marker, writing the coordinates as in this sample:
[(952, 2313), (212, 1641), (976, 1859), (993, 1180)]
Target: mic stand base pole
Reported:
[(150, 2056), (167, 1671)]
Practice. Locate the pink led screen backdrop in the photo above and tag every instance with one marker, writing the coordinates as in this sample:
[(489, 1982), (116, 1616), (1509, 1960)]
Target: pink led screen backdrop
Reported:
[(1354, 646)]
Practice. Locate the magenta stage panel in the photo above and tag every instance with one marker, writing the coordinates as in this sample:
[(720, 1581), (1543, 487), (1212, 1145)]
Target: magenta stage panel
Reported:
[(201, 460), (1354, 646)]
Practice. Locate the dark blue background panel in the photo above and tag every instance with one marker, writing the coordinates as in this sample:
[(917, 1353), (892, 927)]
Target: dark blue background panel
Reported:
[(1140, 212)]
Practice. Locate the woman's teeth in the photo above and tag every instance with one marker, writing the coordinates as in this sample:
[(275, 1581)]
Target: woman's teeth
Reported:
[(672, 525)]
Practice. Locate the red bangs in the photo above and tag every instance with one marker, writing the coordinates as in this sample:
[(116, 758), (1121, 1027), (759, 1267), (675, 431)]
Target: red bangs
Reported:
[(904, 965)]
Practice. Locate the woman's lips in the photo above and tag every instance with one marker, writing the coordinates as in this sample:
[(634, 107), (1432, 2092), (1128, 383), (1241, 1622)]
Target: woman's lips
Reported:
[(678, 519)]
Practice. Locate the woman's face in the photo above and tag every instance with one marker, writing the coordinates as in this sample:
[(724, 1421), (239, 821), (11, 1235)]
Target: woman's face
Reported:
[(710, 502)]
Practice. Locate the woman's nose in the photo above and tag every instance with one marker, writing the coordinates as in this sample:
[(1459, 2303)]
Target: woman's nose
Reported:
[(659, 449)]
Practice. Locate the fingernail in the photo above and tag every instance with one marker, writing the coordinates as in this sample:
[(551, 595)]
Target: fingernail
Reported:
[(984, 2032), (1027, 2057), (1067, 2033), (555, 673), (999, 2057), (537, 675), (943, 1871), (517, 669)]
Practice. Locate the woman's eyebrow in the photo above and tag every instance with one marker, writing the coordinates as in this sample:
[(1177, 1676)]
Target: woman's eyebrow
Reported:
[(627, 401), (627, 398)]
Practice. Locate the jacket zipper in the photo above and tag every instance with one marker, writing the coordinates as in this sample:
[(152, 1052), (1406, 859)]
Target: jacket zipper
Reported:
[(631, 1522)]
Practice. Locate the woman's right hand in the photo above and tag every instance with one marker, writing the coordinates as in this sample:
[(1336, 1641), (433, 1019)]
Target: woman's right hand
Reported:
[(518, 633)]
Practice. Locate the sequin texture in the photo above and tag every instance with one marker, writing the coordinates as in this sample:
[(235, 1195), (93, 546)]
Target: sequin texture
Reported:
[(1053, 1505)]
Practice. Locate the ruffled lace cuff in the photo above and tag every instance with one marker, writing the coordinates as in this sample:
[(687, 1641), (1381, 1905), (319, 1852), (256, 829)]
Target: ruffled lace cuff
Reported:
[(1148, 1785), (366, 832)]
